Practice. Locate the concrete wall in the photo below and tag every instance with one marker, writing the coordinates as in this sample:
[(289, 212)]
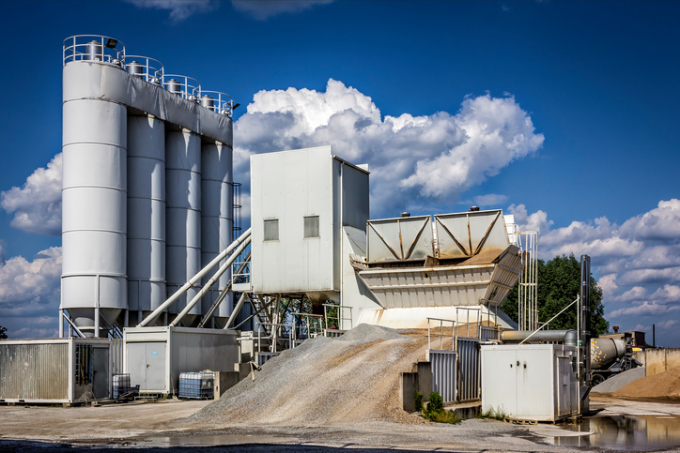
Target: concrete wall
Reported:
[(660, 360)]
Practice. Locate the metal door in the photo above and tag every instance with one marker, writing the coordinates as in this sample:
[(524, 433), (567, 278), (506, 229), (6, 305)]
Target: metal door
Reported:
[(146, 365), (535, 383), (155, 365), (100, 372), (444, 374), (499, 391), (564, 386)]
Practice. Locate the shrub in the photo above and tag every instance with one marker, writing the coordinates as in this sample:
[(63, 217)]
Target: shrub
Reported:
[(435, 410), (419, 401)]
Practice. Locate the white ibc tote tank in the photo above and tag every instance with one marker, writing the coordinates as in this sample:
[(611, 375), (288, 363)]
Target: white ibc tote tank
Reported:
[(94, 208), (183, 216), (146, 215), (217, 219)]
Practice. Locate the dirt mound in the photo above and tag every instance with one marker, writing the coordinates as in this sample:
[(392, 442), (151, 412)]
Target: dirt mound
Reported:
[(663, 385), (324, 380), (620, 380)]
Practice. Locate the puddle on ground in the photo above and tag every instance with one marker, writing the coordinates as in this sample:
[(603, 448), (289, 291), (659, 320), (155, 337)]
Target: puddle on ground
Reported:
[(211, 440), (625, 432)]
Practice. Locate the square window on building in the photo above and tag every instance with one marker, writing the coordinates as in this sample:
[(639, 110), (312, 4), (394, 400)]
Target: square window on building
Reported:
[(271, 230), (312, 226)]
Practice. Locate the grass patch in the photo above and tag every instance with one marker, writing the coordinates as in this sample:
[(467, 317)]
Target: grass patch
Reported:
[(495, 414)]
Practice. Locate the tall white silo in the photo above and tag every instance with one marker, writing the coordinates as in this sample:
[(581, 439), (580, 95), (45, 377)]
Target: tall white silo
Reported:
[(146, 215), (217, 218), (183, 216), (94, 205)]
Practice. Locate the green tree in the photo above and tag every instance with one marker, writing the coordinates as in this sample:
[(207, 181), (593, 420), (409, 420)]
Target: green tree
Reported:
[(558, 286), (3, 333)]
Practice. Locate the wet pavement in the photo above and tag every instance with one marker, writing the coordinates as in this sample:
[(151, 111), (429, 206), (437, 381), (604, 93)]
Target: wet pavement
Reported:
[(624, 432)]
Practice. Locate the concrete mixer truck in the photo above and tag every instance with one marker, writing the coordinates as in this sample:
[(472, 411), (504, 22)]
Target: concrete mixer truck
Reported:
[(609, 356)]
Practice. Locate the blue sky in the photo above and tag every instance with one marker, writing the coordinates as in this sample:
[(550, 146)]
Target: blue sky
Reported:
[(595, 170)]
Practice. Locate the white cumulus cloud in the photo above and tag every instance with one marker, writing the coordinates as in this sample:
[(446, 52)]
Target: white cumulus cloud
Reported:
[(37, 204), (413, 160), (490, 200), (30, 289)]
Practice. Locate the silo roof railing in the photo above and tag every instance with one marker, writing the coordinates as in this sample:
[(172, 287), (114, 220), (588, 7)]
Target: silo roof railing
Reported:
[(186, 87), (150, 69), (94, 48), (219, 103)]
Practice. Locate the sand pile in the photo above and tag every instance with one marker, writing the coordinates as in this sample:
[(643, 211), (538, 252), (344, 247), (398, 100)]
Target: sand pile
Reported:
[(620, 380), (340, 380), (664, 385)]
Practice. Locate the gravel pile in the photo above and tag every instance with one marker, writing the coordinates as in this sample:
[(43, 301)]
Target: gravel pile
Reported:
[(324, 380), (664, 385), (620, 380)]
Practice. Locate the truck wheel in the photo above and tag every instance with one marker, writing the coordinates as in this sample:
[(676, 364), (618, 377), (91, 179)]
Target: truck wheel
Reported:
[(597, 379)]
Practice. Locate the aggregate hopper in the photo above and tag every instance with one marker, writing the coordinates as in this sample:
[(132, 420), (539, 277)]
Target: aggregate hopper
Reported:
[(417, 268)]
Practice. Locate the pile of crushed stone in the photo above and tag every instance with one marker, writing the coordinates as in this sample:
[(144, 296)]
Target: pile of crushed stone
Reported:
[(325, 380), (620, 380), (664, 385)]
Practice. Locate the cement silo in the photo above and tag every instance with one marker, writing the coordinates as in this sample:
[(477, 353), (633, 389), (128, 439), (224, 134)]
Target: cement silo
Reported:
[(217, 218), (183, 215), (94, 204), (132, 185), (146, 215)]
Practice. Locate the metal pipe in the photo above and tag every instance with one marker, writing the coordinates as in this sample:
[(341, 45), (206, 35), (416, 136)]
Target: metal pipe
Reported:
[(519, 336), (73, 326), (224, 293), (236, 311), (211, 282), (196, 278)]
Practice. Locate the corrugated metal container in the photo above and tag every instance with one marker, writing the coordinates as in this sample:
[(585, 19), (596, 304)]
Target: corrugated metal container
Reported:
[(67, 370), (155, 356), (530, 382)]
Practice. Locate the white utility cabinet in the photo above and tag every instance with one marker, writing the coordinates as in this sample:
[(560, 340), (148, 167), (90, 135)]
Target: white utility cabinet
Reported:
[(535, 382)]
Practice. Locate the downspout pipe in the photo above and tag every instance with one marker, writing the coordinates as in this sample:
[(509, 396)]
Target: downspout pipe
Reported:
[(569, 337)]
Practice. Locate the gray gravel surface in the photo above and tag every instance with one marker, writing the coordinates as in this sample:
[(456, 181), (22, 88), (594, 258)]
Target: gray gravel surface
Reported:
[(620, 380)]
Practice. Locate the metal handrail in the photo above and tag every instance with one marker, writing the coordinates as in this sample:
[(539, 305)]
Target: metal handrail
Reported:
[(467, 310), (339, 316), (240, 272), (441, 333), (186, 87), (150, 69), (218, 102), (93, 48), (306, 323)]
